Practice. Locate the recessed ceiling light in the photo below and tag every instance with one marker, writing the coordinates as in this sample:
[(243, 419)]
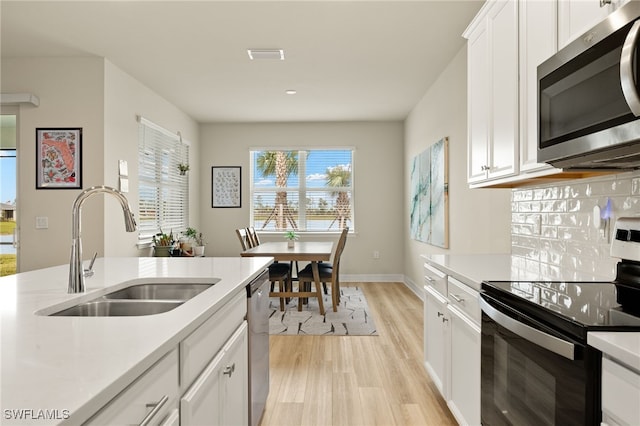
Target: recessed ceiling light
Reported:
[(255, 54), (291, 92)]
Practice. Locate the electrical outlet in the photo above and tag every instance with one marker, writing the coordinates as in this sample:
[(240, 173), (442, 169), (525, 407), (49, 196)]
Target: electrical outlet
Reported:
[(376, 254), (42, 222)]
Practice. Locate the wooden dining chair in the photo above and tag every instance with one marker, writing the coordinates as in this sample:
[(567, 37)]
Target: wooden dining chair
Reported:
[(327, 273), (278, 272), (252, 236)]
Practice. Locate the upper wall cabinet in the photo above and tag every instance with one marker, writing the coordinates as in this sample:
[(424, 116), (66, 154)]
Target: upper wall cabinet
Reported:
[(537, 42), (493, 91), (507, 40), (575, 17)]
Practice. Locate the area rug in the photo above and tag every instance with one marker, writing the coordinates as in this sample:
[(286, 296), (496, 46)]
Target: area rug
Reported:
[(352, 319)]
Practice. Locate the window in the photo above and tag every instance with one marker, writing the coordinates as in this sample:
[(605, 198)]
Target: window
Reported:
[(163, 191), (306, 190)]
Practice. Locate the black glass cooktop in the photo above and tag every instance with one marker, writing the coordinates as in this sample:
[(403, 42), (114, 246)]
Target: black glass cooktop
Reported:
[(576, 307)]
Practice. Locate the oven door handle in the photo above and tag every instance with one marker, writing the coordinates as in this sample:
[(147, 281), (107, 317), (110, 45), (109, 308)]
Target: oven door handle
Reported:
[(547, 341), (626, 70)]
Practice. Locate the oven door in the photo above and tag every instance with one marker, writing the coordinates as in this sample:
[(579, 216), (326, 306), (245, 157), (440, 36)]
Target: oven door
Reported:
[(530, 375)]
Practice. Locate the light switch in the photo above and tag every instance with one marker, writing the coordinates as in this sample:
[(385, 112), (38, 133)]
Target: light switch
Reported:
[(42, 222)]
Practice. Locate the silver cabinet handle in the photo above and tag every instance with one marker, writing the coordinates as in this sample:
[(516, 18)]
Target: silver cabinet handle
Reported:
[(429, 279), (156, 408), (229, 370), (547, 341), (626, 70), (456, 298)]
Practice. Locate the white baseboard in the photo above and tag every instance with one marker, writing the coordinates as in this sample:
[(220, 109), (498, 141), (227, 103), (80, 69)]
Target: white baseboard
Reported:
[(392, 278)]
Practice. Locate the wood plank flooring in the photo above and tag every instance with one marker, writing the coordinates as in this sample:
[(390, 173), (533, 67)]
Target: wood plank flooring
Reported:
[(357, 380)]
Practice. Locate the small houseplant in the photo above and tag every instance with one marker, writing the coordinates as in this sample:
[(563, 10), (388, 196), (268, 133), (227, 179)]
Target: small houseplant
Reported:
[(163, 244), (291, 237), (184, 168), (198, 239)]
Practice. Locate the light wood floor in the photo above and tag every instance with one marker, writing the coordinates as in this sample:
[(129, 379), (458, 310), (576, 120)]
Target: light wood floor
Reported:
[(357, 380)]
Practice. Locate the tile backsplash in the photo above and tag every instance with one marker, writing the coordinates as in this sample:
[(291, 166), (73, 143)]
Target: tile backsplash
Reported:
[(552, 225)]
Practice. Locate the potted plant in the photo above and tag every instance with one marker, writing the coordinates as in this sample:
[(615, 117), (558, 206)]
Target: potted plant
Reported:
[(184, 168), (198, 240), (291, 236), (162, 244)]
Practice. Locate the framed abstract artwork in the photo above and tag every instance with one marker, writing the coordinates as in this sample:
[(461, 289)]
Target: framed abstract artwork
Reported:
[(430, 195), (59, 158), (226, 186)]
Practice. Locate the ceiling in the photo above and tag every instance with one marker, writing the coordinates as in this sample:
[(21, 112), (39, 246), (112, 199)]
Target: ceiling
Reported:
[(347, 60)]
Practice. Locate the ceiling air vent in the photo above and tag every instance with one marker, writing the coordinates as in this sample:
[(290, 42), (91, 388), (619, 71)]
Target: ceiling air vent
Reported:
[(276, 54)]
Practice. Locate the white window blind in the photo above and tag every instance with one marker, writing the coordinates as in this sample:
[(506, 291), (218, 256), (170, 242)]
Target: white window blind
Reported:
[(303, 190), (163, 191)]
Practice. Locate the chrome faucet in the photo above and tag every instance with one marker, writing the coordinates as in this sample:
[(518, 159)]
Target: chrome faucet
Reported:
[(76, 271)]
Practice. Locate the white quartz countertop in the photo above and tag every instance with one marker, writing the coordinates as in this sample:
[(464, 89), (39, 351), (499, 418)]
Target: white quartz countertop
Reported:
[(75, 365), (472, 269)]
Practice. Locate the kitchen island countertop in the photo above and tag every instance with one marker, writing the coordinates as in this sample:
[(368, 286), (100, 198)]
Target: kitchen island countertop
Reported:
[(72, 366)]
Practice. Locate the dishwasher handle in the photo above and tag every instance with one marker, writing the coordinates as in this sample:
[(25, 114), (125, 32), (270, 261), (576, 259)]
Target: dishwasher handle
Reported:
[(535, 336)]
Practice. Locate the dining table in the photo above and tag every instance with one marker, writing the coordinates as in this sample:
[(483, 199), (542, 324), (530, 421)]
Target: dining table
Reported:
[(305, 251)]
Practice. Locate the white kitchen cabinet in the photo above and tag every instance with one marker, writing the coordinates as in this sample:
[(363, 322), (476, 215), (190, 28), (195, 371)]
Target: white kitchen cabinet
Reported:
[(436, 339), (220, 395), (575, 17), (492, 55), (152, 396), (538, 41), (620, 394), (464, 383)]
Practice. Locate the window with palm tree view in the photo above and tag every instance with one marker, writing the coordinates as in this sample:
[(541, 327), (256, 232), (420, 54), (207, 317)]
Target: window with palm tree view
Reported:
[(305, 190)]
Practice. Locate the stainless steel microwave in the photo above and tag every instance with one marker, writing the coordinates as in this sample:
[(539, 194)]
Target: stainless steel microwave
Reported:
[(588, 98)]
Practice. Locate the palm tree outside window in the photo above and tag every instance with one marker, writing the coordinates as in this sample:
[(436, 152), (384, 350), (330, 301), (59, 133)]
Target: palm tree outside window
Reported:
[(302, 190)]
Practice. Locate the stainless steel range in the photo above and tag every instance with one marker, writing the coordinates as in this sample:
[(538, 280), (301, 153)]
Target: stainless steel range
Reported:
[(537, 368)]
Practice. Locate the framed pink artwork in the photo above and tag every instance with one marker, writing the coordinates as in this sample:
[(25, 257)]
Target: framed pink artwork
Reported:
[(59, 158)]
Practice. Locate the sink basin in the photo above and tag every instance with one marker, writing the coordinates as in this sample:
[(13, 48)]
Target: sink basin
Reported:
[(146, 298), (159, 291), (119, 308)]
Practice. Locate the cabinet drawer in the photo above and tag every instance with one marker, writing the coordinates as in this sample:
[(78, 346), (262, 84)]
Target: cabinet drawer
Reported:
[(137, 401), (436, 279), (202, 345), (465, 299), (620, 393)]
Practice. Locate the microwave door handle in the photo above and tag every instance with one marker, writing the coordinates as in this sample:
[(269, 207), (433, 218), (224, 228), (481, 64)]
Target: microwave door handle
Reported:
[(547, 341), (626, 70)]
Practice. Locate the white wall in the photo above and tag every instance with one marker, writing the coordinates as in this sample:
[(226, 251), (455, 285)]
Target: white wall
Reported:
[(124, 99), (478, 218), (93, 94), (378, 167), (71, 95)]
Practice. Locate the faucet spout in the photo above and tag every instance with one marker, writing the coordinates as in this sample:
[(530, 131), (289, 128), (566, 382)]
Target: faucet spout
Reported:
[(76, 271)]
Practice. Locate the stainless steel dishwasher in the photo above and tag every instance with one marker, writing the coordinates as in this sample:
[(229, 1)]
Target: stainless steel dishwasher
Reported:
[(258, 321)]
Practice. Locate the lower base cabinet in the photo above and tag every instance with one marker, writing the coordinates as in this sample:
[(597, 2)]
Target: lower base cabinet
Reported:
[(220, 395), (149, 399), (202, 381), (452, 345), (464, 391), (620, 394)]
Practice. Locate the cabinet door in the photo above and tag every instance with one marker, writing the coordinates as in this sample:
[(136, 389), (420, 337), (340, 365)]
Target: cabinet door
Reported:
[(217, 397), (478, 104), (538, 42), (577, 17), (150, 397), (436, 340), (503, 146), (464, 395)]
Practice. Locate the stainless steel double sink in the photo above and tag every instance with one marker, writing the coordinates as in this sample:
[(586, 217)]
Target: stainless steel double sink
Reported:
[(137, 300)]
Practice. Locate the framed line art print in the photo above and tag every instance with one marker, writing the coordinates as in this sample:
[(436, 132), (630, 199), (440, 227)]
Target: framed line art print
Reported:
[(226, 187), (59, 158)]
